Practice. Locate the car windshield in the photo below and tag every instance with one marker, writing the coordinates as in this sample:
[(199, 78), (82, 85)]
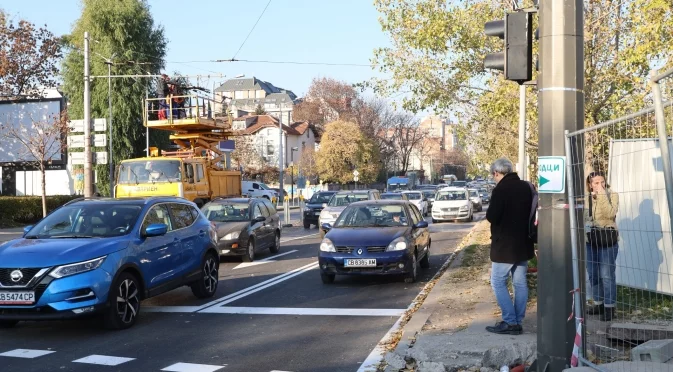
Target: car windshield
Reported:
[(428, 194), (342, 200), (474, 194), (392, 196), (145, 171), (320, 198), (414, 196), (87, 220), (263, 186), (373, 215), (459, 183), (227, 212), (450, 195)]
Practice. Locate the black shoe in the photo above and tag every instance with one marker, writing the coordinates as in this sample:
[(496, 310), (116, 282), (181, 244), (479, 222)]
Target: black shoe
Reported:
[(608, 314), (595, 309), (502, 328)]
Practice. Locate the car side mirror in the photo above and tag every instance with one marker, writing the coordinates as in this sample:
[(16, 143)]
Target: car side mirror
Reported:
[(259, 219), (421, 225), (155, 229), (326, 226), (324, 205), (27, 229)]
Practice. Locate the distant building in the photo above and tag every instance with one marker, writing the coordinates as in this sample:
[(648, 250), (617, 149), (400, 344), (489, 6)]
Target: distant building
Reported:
[(441, 128), (245, 95)]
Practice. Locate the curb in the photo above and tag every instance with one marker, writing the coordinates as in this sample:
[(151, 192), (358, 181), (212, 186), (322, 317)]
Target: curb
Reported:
[(393, 338)]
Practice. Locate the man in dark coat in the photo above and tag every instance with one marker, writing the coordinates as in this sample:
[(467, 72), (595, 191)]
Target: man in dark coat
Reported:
[(511, 246)]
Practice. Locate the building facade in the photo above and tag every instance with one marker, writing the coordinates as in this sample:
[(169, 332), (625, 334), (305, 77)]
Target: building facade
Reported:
[(245, 95)]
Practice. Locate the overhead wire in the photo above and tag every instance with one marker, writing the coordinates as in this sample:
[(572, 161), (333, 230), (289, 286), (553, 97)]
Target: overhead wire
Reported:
[(252, 29)]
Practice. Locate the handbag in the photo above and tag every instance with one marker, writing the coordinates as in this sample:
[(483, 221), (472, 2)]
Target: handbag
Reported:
[(601, 237), (532, 220)]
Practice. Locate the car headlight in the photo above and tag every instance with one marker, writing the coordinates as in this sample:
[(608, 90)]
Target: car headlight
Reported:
[(76, 268), (307, 209), (327, 246), (398, 244), (231, 236), (464, 207)]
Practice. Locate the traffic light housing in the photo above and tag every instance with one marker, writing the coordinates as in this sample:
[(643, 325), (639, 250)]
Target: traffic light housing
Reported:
[(516, 61)]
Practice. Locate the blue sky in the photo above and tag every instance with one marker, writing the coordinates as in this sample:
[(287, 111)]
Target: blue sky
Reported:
[(335, 31)]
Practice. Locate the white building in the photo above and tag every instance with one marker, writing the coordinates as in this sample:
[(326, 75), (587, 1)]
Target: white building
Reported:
[(245, 95)]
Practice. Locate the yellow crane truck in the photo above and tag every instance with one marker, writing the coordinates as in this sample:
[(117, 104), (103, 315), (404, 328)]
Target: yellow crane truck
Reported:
[(195, 171)]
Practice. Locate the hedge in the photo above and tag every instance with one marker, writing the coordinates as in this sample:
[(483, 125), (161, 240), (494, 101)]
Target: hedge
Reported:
[(22, 210)]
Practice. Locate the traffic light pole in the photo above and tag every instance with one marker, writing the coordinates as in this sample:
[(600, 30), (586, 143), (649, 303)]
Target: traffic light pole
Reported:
[(561, 107), (522, 132)]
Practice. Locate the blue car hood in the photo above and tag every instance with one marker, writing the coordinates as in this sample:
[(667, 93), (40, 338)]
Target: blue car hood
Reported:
[(54, 252), (365, 237)]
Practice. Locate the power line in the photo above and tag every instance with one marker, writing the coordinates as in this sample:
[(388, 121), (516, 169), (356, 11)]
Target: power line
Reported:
[(252, 29), (290, 62)]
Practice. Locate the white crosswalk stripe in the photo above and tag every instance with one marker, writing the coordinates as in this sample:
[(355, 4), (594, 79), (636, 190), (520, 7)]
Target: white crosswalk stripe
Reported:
[(103, 360), (26, 353), (191, 367)]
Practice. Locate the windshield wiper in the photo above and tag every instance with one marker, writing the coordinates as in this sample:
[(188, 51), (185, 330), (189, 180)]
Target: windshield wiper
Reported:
[(134, 175), (164, 174)]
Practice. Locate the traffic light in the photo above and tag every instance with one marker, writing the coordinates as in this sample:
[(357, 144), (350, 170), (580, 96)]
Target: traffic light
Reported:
[(517, 58)]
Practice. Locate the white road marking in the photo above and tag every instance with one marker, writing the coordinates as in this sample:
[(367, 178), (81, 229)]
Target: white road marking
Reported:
[(303, 311), (103, 360), (190, 367), (170, 309), (263, 285), (26, 353), (299, 237), (262, 261)]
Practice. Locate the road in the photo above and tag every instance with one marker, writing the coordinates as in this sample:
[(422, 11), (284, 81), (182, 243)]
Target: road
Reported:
[(274, 314)]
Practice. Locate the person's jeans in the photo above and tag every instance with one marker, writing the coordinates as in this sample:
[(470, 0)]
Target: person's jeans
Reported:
[(601, 268), (512, 312)]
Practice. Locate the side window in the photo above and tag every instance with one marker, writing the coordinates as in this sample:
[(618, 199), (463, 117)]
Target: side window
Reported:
[(265, 211), (195, 213), (189, 172), (269, 206), (157, 214), (255, 186), (199, 172), (182, 216), (256, 211), (414, 214)]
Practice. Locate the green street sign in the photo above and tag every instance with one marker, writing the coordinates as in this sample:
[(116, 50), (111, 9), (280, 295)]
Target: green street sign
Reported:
[(551, 174)]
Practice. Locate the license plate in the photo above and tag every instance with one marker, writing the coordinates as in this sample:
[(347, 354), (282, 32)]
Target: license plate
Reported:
[(360, 262), (317, 213), (17, 298)]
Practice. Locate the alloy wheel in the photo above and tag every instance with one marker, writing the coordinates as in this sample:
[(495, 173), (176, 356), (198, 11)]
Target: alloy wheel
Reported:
[(210, 275), (128, 302)]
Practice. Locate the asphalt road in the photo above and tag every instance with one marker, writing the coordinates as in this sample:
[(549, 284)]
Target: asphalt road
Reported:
[(272, 315)]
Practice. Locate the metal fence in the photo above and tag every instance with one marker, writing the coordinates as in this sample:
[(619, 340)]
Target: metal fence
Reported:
[(624, 289)]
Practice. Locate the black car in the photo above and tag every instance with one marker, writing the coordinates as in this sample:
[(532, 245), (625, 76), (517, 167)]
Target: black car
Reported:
[(314, 206), (244, 226)]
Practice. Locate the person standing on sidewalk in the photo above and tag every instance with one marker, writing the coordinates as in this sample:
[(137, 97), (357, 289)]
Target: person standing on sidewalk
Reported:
[(511, 246)]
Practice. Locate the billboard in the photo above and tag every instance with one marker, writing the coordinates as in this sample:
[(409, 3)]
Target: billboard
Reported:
[(23, 114)]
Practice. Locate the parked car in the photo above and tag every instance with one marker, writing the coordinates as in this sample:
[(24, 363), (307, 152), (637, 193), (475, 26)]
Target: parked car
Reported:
[(103, 257), (477, 203), (376, 237), (393, 196), (452, 203), (429, 195), (419, 200), (254, 189), (340, 201), (314, 206), (244, 226)]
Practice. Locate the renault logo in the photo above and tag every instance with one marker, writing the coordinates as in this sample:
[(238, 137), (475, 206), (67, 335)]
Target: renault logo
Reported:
[(360, 251), (16, 275)]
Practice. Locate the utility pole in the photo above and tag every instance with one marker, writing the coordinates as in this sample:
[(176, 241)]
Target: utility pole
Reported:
[(109, 98), (147, 129), (522, 132), (561, 107), (280, 151), (88, 181)]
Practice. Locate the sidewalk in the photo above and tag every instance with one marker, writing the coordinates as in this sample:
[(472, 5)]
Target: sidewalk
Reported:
[(447, 332)]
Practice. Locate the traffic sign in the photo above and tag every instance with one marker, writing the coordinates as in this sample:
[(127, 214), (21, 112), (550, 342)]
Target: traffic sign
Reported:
[(98, 125), (356, 173), (77, 141), (356, 178), (77, 158), (551, 174)]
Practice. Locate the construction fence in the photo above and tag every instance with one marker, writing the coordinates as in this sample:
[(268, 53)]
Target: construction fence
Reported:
[(620, 186)]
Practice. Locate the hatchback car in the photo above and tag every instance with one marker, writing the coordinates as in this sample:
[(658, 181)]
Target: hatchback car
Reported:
[(340, 201), (381, 237), (314, 206), (477, 203), (104, 256), (452, 203), (244, 226), (419, 200)]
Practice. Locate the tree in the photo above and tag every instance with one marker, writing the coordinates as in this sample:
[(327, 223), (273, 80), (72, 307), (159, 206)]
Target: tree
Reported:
[(41, 139), (28, 59), (125, 29), (259, 110), (308, 165), (327, 100), (344, 149), (406, 136), (246, 155)]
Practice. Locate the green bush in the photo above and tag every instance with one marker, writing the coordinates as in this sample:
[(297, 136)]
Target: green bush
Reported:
[(22, 210)]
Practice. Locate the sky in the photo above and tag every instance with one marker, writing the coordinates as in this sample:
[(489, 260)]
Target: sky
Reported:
[(333, 31)]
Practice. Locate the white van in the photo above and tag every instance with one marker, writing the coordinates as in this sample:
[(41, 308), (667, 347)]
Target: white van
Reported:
[(254, 189)]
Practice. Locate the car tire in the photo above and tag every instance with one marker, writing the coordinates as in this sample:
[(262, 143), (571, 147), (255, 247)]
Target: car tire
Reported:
[(425, 261), (307, 225), (5, 324), (266, 197), (327, 278), (411, 276), (434, 220), (206, 286), (123, 314), (472, 217), (275, 248), (249, 255)]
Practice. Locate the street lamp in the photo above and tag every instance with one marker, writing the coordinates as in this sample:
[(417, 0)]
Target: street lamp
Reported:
[(292, 180)]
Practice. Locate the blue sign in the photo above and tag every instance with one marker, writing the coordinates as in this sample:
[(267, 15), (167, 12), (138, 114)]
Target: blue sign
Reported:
[(228, 145), (301, 182)]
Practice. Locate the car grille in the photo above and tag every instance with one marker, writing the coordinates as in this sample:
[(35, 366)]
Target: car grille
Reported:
[(345, 249), (369, 249), (376, 249), (450, 209), (6, 280)]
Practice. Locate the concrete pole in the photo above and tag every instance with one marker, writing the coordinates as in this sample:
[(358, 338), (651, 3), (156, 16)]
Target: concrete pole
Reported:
[(561, 107), (280, 153), (88, 171), (522, 132), (663, 143), (109, 158), (147, 129)]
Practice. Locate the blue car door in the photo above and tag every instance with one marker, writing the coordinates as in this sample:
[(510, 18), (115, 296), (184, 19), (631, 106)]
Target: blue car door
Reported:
[(190, 236), (421, 236), (159, 253)]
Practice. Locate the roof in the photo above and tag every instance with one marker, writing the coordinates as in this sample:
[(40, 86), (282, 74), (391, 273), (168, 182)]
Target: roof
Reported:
[(380, 201), (273, 98), (231, 200), (252, 83), (301, 126), (267, 121)]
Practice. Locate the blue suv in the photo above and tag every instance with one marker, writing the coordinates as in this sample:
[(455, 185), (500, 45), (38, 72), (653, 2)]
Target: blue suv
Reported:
[(104, 256)]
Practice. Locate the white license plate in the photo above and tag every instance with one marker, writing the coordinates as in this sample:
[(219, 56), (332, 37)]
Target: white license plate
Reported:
[(317, 213), (360, 262), (17, 298)]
